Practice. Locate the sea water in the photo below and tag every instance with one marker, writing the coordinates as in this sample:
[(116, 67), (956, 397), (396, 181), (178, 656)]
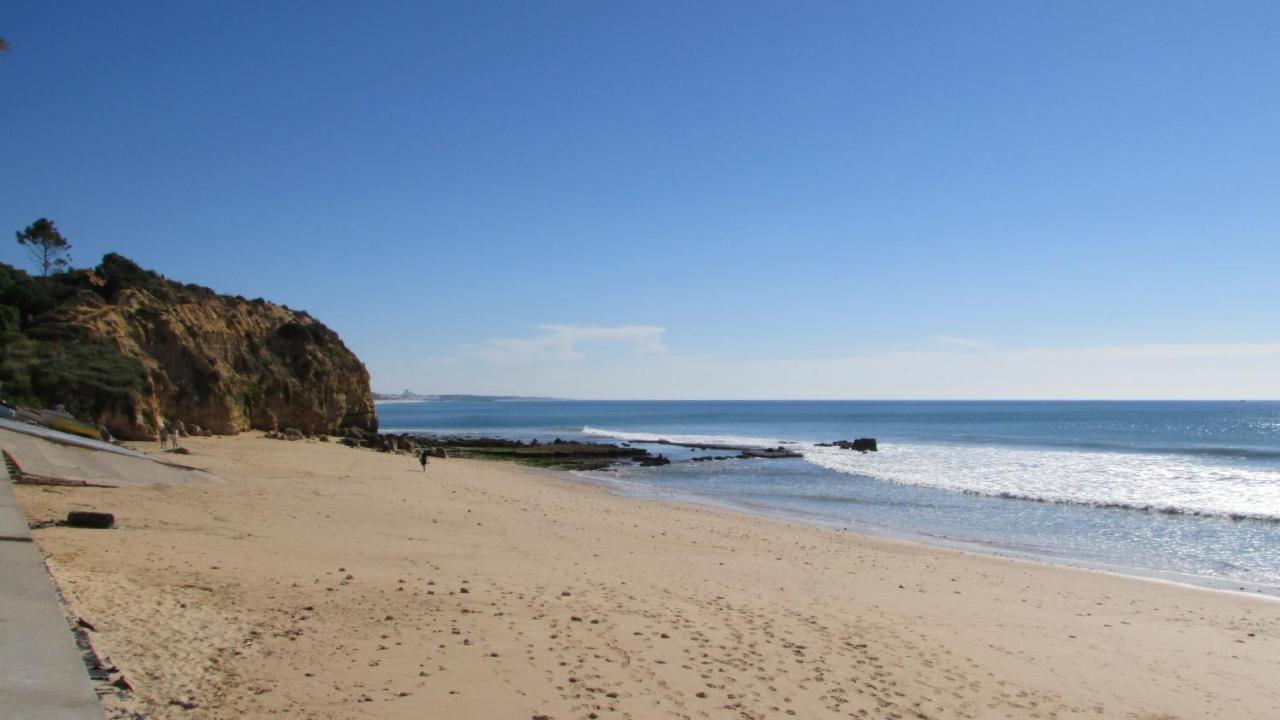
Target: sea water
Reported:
[(1184, 490)]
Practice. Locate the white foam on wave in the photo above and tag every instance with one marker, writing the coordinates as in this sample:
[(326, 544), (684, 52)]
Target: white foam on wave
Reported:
[(1165, 483), (1193, 485), (736, 440)]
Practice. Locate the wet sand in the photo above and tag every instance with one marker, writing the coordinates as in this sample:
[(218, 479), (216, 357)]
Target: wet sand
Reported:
[(325, 582)]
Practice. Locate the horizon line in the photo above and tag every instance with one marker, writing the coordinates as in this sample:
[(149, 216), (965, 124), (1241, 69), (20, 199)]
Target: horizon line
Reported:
[(974, 399)]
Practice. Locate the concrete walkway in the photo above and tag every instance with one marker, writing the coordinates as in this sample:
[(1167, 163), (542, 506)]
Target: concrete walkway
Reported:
[(42, 676), (51, 454)]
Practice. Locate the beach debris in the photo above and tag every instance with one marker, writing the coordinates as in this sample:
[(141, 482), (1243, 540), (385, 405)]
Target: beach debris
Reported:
[(184, 703), (90, 519)]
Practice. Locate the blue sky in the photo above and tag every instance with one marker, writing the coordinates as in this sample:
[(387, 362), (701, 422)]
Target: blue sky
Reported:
[(720, 200)]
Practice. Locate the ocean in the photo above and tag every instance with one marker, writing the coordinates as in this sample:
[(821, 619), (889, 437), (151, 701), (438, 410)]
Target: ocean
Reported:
[(1186, 491)]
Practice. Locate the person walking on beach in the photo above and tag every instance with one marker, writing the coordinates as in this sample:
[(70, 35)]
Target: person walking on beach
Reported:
[(174, 438), (422, 458), (164, 436)]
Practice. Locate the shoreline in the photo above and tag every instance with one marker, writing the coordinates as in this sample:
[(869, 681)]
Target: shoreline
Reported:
[(1199, 514), (318, 576), (972, 547)]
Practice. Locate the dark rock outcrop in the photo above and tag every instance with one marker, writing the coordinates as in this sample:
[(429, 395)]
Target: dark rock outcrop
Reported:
[(564, 455), (769, 453), (861, 444), (654, 461)]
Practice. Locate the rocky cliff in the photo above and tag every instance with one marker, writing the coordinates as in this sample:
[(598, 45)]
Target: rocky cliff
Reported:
[(130, 349)]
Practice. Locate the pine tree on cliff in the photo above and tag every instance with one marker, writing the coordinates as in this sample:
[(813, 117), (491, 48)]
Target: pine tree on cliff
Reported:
[(46, 246)]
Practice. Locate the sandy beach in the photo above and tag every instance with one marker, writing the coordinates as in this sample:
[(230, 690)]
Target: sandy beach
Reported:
[(324, 582)]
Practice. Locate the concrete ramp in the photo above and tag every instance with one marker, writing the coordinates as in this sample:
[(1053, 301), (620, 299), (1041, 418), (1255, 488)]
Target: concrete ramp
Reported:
[(46, 454)]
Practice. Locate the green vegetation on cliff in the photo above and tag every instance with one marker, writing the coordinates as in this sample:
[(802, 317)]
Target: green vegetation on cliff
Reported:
[(38, 367)]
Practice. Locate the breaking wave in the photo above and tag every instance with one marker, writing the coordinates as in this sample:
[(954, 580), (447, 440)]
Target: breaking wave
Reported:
[(1133, 481)]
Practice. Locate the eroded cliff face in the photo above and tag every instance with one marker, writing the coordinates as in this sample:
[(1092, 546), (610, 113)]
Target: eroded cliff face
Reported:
[(223, 363)]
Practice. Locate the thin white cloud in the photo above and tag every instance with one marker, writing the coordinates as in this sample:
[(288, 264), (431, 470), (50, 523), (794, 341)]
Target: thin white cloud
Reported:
[(1138, 371), (645, 339), (1172, 350), (564, 343), (961, 342)]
